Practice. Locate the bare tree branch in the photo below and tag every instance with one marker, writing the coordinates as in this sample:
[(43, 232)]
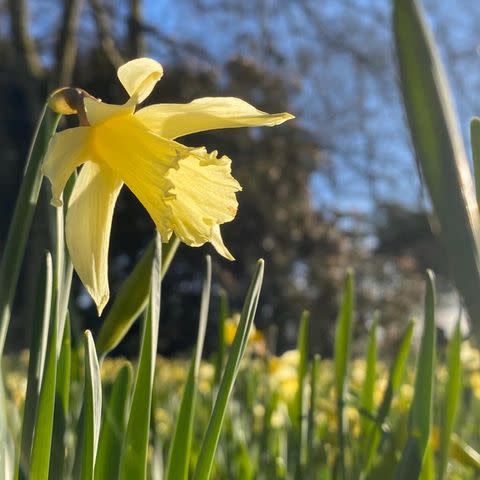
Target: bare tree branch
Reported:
[(136, 43), (106, 38), (67, 42), (22, 40)]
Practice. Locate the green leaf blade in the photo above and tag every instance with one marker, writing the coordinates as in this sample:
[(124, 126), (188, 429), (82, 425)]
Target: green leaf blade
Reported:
[(113, 426), (421, 410), (211, 437), (439, 148), (135, 445), (93, 408), (180, 450)]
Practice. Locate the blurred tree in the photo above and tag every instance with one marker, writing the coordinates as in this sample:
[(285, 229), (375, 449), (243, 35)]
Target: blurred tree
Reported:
[(311, 187)]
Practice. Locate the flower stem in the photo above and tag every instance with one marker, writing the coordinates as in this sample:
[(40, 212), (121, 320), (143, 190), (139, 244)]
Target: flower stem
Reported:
[(22, 218)]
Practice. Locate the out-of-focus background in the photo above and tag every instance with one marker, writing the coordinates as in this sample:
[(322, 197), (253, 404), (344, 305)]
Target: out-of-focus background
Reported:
[(337, 187)]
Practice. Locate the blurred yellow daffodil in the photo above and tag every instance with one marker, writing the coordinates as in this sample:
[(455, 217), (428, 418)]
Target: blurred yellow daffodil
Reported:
[(186, 191)]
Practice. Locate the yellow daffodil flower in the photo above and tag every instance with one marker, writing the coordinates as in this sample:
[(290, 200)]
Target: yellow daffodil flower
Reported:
[(186, 191)]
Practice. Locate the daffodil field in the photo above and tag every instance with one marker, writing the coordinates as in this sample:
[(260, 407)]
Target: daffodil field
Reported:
[(69, 409)]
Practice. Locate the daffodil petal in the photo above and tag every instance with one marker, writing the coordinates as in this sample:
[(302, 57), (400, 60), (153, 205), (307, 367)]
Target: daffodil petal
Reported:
[(66, 151), (141, 159), (203, 195), (88, 225), (139, 77), (176, 120), (99, 112), (217, 241)]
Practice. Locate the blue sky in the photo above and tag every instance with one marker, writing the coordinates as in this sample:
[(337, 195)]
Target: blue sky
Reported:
[(355, 111)]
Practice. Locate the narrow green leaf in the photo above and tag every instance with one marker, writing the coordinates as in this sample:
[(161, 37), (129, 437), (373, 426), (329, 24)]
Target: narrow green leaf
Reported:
[(452, 396), (428, 467), (343, 340), (421, 409), (22, 218), (7, 447), (64, 367), (113, 426), (311, 468), (439, 148), (475, 143), (299, 422), (38, 348), (464, 453), (368, 387), (396, 374), (60, 416), (157, 464), (302, 347), (132, 298), (210, 440), (135, 445), (93, 408), (42, 437), (63, 263), (220, 354), (179, 454)]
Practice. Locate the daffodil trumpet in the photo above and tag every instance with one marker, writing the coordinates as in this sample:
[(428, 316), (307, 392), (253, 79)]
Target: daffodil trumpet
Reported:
[(185, 190)]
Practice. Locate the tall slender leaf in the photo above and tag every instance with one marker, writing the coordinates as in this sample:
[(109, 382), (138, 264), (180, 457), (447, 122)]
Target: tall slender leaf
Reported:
[(451, 400), (38, 348), (420, 421), (396, 374), (220, 354), (42, 438), (135, 445), (93, 408), (343, 340), (368, 387), (300, 424), (311, 417), (210, 440), (439, 147), (7, 448), (58, 467), (475, 143), (22, 218), (179, 454), (113, 427), (132, 298), (63, 263)]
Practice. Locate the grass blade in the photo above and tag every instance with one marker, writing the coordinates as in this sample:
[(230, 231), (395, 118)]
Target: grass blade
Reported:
[(220, 354), (439, 147), (42, 437), (113, 427), (475, 143), (93, 408), (7, 447), (63, 264), (311, 469), (452, 397), (465, 454), (368, 387), (421, 409), (343, 340), (300, 424), (210, 440), (60, 416), (179, 455), (38, 348), (135, 445), (396, 374), (22, 218), (132, 298)]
